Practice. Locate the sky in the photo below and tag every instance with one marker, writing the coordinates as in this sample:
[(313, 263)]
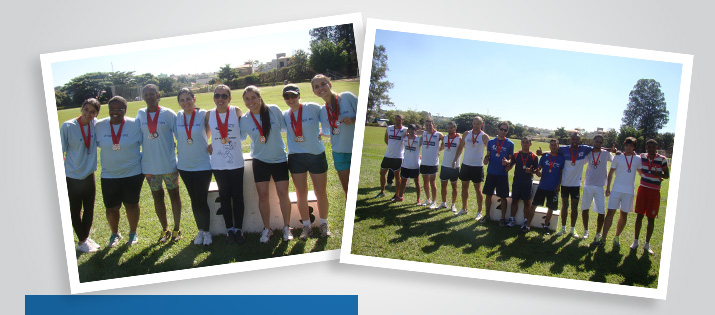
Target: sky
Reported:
[(192, 58), (537, 87)]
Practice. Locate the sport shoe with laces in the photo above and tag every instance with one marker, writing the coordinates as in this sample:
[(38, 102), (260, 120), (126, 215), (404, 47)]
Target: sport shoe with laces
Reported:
[(418, 202), (460, 212), (199, 238), (240, 239), (306, 233), (561, 231), (133, 238), (634, 245), (230, 236), (114, 240), (433, 205), (646, 249), (265, 235), (574, 234), (442, 205), (324, 230), (545, 229), (208, 238), (165, 236), (176, 235), (511, 222), (502, 222), (92, 243), (287, 235), (86, 248), (585, 234), (380, 195)]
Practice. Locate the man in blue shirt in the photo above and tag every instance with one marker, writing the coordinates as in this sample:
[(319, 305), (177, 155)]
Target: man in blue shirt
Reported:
[(499, 153), (550, 167)]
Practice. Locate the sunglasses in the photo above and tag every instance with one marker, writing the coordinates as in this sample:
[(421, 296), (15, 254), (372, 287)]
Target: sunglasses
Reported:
[(288, 96), (502, 129), (221, 96)]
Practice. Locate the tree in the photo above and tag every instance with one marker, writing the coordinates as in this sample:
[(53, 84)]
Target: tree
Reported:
[(666, 141), (299, 67), (626, 132), (145, 79), (62, 100), (646, 109), (610, 138), (94, 84), (326, 55), (562, 135), (344, 37), (464, 121), (166, 84), (226, 73), (379, 86)]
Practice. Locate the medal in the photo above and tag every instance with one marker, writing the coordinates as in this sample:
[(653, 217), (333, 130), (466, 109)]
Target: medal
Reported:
[(474, 139), (499, 145), (336, 131), (595, 160), (573, 156), (189, 141), (155, 135), (260, 129), (524, 161), (595, 166), (333, 116), (573, 163), (297, 124), (497, 154), (337, 123), (629, 164), (449, 143), (115, 147), (263, 139), (190, 126), (299, 139), (629, 170), (524, 167), (116, 136), (473, 145), (224, 140), (223, 126), (86, 138), (152, 123)]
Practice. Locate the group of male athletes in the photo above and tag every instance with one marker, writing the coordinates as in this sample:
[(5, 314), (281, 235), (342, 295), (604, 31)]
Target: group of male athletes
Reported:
[(560, 170)]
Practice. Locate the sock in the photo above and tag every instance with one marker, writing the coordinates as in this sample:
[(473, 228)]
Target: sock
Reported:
[(563, 227), (306, 222), (647, 244), (635, 240), (323, 221), (572, 229), (585, 231)]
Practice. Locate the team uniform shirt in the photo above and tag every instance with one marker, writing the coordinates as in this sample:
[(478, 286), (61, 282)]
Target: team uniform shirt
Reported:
[(507, 148), (342, 142), (227, 156), (625, 181), (273, 150), (571, 175), (520, 174), (430, 149), (411, 158), (551, 168), (395, 149), (473, 149), (127, 161), (596, 173), (192, 157), (311, 128), (651, 167), (158, 155), (79, 164), (450, 150)]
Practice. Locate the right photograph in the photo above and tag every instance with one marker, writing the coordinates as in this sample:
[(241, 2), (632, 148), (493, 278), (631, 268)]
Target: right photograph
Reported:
[(516, 158)]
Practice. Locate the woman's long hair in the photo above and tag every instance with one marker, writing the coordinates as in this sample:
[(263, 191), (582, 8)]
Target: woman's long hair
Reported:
[(265, 114)]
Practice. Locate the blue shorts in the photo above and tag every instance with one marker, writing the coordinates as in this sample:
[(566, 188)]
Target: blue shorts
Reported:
[(342, 161)]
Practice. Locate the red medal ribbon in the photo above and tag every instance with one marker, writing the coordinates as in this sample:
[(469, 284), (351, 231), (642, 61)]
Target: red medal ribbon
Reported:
[(650, 162), (595, 163), (430, 139), (474, 139), (258, 126), (191, 123), (449, 143), (409, 146), (333, 117), (297, 126), (629, 164), (151, 124), (574, 155), (395, 132), (499, 145), (551, 163), (523, 160), (118, 135), (85, 137), (222, 127)]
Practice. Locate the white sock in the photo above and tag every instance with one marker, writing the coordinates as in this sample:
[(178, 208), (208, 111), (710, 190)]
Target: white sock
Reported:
[(635, 240), (323, 221)]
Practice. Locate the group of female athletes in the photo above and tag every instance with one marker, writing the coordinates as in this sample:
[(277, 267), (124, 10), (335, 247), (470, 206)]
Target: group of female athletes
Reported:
[(160, 145)]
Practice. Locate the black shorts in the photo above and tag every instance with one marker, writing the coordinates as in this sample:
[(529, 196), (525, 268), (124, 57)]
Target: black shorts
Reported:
[(448, 174), (391, 163), (262, 171), (473, 173), (305, 162), (428, 170), (409, 172), (521, 190), (552, 200), (498, 182), (116, 191), (570, 191)]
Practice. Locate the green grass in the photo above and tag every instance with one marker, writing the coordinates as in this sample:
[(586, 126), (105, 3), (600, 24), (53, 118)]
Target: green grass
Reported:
[(150, 257), (405, 231)]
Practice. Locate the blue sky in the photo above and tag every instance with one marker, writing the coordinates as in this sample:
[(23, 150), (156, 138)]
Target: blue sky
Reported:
[(533, 86), (192, 58)]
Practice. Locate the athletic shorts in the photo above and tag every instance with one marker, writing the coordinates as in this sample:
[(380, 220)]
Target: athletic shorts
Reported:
[(262, 171), (116, 191), (448, 174), (409, 172), (572, 191), (594, 196), (619, 200), (392, 163), (648, 202), (341, 161), (521, 190), (552, 200), (498, 182), (428, 170), (171, 180), (473, 173), (305, 162)]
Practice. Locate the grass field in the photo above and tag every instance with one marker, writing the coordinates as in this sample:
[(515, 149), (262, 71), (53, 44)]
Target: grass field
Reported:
[(406, 231), (148, 256)]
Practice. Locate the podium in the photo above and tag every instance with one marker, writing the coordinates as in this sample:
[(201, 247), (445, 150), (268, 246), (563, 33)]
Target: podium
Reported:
[(539, 213)]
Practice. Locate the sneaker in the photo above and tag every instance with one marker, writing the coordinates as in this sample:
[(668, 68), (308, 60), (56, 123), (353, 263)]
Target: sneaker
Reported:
[(199, 238), (287, 235), (380, 195), (442, 205), (454, 208), (524, 229), (616, 242), (511, 222), (230, 237), (433, 205), (481, 219), (545, 229), (133, 239), (240, 239), (92, 243), (86, 248), (597, 241), (646, 249), (208, 238), (265, 235), (561, 231), (324, 230), (634, 245), (502, 222), (165, 236), (419, 203), (306, 233), (525, 221), (574, 234), (426, 204), (397, 199), (389, 185), (461, 212), (176, 235), (393, 198), (585, 234), (114, 240)]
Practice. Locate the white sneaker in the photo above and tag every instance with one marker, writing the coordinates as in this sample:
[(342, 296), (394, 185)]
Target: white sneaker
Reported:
[(207, 239), (427, 203), (585, 234), (306, 233), (325, 231), (86, 248), (454, 208), (265, 235), (574, 234), (199, 238), (461, 212), (287, 235), (646, 248), (114, 240), (479, 216), (92, 243), (433, 205), (442, 205), (634, 245), (561, 231)]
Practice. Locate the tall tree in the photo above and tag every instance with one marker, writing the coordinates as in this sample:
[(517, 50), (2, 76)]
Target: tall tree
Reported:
[(226, 73), (344, 37), (94, 84), (326, 55), (379, 86), (646, 108), (299, 66)]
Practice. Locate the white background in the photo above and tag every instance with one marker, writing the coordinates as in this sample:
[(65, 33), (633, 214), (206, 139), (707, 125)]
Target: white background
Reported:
[(33, 262)]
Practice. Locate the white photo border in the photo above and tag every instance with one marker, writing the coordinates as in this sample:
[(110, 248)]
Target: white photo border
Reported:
[(48, 59), (372, 25)]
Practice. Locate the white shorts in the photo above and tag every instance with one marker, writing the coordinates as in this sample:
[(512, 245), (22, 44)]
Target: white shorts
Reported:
[(593, 197), (619, 200)]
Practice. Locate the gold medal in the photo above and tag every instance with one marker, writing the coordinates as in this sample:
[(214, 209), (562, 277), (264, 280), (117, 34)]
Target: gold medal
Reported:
[(299, 139), (263, 139), (224, 140), (189, 141), (115, 147)]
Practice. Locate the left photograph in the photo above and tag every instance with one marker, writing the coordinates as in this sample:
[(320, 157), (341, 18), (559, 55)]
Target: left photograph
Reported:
[(229, 150)]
